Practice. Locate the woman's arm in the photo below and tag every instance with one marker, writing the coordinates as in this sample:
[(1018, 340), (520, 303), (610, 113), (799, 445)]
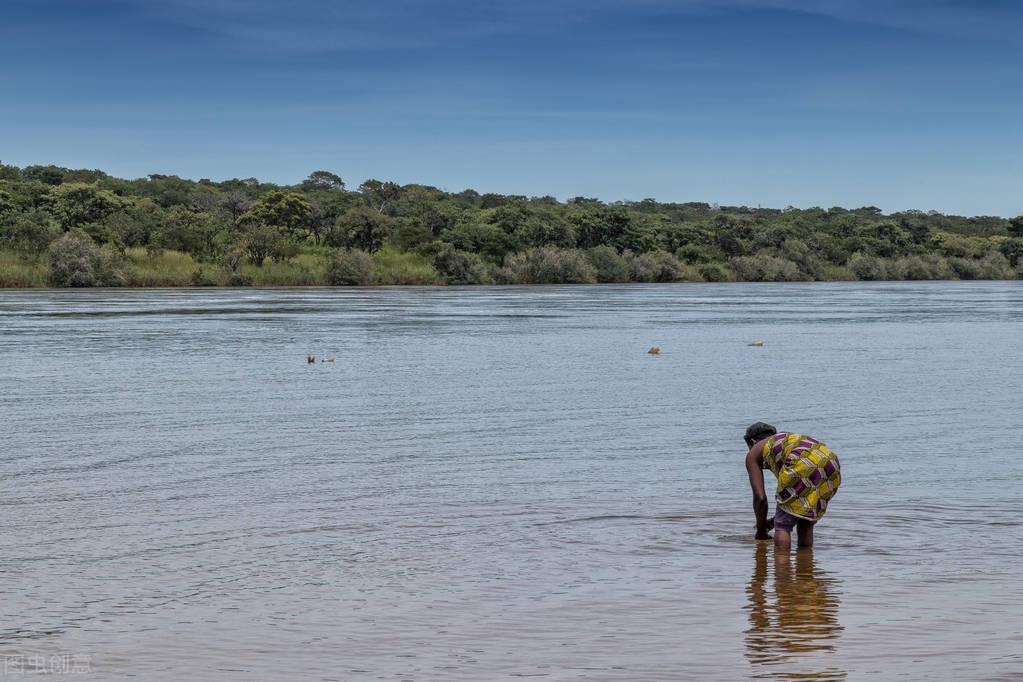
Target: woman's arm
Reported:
[(754, 467)]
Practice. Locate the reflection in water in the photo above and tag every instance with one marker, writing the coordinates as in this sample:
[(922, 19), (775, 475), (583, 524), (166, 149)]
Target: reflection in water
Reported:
[(792, 633)]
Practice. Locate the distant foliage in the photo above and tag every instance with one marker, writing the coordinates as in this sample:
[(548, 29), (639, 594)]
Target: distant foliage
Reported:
[(244, 231)]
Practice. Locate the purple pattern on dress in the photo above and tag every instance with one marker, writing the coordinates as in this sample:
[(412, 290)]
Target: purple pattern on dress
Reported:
[(816, 477), (830, 468)]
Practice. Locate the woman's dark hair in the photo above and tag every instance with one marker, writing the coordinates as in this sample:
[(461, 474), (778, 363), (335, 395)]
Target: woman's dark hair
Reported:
[(758, 430)]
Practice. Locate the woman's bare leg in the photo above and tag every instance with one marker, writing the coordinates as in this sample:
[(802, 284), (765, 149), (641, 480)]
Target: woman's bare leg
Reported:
[(804, 531), (782, 540)]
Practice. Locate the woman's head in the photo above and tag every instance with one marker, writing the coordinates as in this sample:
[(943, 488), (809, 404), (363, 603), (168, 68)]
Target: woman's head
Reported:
[(758, 430)]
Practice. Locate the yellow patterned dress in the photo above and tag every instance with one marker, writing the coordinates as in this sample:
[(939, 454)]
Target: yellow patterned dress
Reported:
[(808, 474)]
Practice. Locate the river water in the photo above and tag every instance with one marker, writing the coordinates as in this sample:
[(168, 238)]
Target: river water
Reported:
[(492, 483)]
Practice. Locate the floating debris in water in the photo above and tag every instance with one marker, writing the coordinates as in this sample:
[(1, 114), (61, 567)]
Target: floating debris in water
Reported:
[(310, 359), (656, 350), (327, 360), (757, 344)]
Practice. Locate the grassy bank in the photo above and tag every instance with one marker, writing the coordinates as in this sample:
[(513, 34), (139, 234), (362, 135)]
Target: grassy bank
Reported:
[(17, 272)]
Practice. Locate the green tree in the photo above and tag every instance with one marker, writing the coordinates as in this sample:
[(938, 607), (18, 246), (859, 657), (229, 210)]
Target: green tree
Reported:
[(1016, 227), (26, 233), (485, 239), (190, 231), (167, 190), (362, 228), (48, 175), (9, 172), (136, 223), (1013, 250), (596, 225), (263, 241), (324, 181), (235, 202), (379, 195), (285, 211), (8, 204), (327, 208), (77, 204)]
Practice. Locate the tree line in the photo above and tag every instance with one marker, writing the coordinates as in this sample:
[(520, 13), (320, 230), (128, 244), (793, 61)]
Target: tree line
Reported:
[(68, 227)]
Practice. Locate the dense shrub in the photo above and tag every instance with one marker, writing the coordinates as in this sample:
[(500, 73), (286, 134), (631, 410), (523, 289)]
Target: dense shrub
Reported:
[(654, 266), (500, 274), (714, 272), (765, 269), (798, 252), (350, 267), (201, 277), (608, 264), (993, 265), (695, 254), (461, 267), (238, 279), (77, 261), (867, 268), (836, 273), (928, 266), (550, 265)]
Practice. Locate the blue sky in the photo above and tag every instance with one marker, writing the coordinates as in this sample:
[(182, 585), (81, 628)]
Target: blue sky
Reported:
[(898, 103)]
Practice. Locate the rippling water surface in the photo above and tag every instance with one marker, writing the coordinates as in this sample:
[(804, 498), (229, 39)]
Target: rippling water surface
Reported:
[(491, 483)]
